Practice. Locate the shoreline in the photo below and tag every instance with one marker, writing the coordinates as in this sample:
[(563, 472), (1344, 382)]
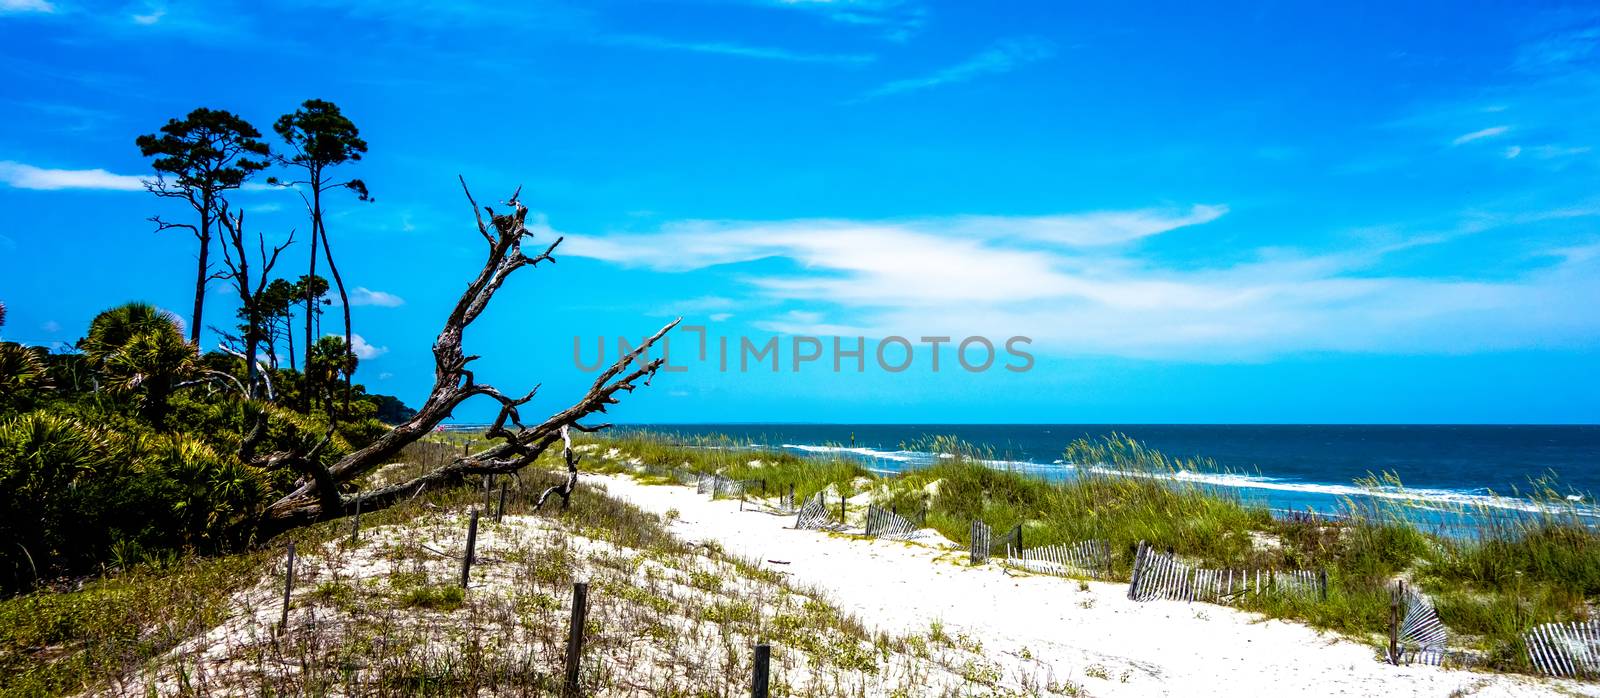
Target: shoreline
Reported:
[(1090, 632)]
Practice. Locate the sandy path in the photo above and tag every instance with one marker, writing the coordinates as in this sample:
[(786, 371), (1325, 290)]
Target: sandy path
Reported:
[(1098, 638)]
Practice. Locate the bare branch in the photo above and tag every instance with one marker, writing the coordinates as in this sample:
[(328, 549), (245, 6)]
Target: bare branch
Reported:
[(454, 383)]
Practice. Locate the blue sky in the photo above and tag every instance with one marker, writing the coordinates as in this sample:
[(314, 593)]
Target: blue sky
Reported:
[(1198, 213)]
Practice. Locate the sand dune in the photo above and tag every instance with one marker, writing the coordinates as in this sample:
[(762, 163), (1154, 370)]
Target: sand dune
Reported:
[(1091, 634)]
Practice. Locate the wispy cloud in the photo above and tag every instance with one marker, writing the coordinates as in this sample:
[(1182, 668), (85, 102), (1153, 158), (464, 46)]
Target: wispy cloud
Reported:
[(1096, 291), (1003, 57), (152, 14), (1561, 48), (23, 176), (898, 19), (362, 295), (21, 6), (739, 50), (1480, 134)]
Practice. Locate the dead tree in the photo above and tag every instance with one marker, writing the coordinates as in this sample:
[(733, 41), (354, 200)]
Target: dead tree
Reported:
[(319, 496)]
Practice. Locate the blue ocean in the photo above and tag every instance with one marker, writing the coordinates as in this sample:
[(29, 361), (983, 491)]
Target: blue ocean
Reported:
[(1442, 468)]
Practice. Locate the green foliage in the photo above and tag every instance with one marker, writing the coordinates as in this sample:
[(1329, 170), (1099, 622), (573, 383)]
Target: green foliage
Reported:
[(320, 134), (129, 451), (209, 150), (24, 375), (139, 353)]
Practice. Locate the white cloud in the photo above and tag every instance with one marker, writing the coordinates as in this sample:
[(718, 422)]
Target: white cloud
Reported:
[(363, 350), (1490, 132), (1087, 286), (385, 376), (896, 18), (51, 326), (153, 15), (1085, 229), (1513, 152), (23, 176), (1003, 57), (18, 6), (720, 317), (739, 50), (1551, 152), (362, 295)]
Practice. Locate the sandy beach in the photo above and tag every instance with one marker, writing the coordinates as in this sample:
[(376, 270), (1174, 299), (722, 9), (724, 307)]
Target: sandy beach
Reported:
[(1089, 633)]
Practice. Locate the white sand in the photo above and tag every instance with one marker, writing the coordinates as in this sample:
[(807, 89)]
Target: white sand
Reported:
[(1098, 638)]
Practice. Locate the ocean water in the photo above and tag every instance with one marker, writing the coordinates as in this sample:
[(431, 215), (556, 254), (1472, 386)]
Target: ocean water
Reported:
[(1285, 467)]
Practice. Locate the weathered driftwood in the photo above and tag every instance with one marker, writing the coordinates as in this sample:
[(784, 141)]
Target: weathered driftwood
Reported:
[(319, 495)]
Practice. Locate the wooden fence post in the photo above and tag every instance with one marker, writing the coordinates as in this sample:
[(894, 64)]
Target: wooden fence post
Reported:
[(501, 512), (580, 612), (1322, 581), (1138, 568), (355, 524), (758, 679), (472, 541), (1019, 539), (841, 508), (288, 588), (1394, 622), (488, 489)]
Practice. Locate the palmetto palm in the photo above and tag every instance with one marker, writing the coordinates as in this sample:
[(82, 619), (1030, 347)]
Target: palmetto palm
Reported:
[(22, 371), (139, 350)]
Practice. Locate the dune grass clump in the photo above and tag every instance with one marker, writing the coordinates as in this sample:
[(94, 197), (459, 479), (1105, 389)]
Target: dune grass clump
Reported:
[(720, 455)]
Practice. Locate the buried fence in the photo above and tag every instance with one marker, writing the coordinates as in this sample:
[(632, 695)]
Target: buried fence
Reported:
[(1162, 576), (888, 523), (1416, 635), (1570, 650), (1089, 558), (685, 476), (724, 486), (815, 514)]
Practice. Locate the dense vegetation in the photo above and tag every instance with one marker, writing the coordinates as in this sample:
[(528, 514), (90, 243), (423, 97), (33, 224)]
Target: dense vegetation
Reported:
[(1511, 573), (135, 442), (127, 448), (384, 615)]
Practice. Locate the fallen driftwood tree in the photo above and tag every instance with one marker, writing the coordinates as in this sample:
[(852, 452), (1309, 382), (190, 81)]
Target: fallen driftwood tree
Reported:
[(319, 495)]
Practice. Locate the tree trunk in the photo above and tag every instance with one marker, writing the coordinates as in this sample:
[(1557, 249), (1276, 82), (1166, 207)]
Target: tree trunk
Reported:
[(200, 276), (344, 302), (311, 275), (319, 496)]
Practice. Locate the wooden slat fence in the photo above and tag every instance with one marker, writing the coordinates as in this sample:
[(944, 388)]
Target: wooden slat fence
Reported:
[(1090, 558), (710, 484), (1565, 649), (1422, 634), (815, 514), (686, 477), (978, 544), (884, 523), (1158, 575)]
